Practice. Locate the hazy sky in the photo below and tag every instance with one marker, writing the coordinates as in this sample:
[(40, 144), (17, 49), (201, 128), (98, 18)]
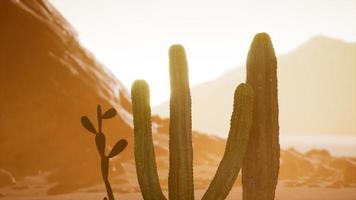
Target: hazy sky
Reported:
[(132, 37)]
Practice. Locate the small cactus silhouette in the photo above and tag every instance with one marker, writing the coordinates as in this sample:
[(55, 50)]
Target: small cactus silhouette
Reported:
[(100, 142)]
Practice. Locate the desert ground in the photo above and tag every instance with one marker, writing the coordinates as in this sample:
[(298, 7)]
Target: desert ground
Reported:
[(36, 188), (283, 193)]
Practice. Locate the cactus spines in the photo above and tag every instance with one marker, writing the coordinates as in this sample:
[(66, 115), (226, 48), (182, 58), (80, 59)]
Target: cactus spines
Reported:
[(180, 183), (261, 162), (180, 179), (143, 148), (240, 124), (100, 142)]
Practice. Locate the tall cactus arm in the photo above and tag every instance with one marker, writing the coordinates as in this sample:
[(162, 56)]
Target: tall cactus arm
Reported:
[(240, 124), (261, 162), (143, 148), (180, 180)]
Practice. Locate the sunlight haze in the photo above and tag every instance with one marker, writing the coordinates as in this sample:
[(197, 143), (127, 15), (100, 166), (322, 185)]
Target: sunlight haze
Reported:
[(132, 38)]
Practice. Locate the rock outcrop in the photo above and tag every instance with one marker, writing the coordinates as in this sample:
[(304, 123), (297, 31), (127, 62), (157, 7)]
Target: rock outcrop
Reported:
[(48, 81)]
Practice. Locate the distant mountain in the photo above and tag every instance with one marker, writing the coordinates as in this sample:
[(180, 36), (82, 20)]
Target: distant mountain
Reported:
[(317, 91)]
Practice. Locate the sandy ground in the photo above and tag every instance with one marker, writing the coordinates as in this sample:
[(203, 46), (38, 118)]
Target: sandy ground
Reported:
[(35, 187), (283, 193)]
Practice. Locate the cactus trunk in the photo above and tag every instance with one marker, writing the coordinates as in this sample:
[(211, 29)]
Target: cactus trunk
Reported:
[(144, 150), (105, 174), (240, 124), (180, 181), (261, 162)]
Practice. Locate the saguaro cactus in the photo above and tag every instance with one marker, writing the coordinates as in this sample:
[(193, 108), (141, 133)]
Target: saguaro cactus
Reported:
[(180, 179), (180, 144), (261, 162), (143, 148), (100, 142), (236, 146)]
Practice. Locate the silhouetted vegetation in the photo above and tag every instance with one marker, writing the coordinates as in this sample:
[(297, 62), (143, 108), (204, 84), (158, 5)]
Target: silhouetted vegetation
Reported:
[(180, 183), (143, 148), (261, 162), (100, 142), (253, 140)]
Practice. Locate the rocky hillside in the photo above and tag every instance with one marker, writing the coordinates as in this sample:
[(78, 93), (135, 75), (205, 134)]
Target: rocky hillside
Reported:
[(48, 81)]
